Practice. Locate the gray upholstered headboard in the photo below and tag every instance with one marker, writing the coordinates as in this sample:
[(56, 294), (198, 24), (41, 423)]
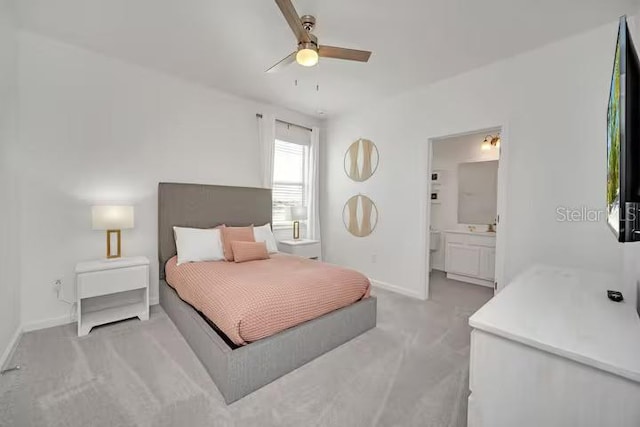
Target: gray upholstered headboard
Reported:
[(205, 206)]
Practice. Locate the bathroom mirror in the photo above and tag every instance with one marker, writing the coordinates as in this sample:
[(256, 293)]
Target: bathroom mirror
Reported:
[(361, 160), (477, 192)]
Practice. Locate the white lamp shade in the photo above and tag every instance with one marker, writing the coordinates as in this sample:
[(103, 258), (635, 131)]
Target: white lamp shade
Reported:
[(112, 217), (298, 213)]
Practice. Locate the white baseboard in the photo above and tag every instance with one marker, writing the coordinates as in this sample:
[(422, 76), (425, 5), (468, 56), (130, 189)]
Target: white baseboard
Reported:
[(397, 289), (47, 323), (62, 320), (11, 347), (473, 280)]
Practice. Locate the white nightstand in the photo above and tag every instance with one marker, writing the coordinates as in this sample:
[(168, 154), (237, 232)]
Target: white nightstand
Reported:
[(111, 290), (302, 247)]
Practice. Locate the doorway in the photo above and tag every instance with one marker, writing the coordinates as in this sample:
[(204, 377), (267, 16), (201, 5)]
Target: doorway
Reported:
[(465, 182)]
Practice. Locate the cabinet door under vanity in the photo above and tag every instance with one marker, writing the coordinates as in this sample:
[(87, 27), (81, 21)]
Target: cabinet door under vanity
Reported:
[(470, 257), (487, 263), (462, 259)]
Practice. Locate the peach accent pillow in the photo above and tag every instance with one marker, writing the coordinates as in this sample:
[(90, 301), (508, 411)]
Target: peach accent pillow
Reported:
[(249, 251), (235, 234)]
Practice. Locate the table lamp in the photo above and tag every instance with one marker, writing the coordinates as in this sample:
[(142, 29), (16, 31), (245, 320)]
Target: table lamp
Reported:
[(112, 219), (297, 214)]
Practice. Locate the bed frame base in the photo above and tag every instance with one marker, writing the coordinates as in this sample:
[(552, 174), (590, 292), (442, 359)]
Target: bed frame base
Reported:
[(243, 370)]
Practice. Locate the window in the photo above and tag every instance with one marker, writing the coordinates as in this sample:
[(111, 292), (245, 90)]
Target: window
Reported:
[(290, 162)]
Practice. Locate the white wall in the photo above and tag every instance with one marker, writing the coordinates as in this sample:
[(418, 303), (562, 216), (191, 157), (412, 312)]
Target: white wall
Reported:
[(448, 153), (552, 102), (97, 130), (9, 239)]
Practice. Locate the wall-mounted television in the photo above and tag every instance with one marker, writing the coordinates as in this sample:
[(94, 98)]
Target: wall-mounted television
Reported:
[(623, 140)]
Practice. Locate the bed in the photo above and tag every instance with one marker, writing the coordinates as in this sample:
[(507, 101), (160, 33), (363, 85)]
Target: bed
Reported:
[(241, 369)]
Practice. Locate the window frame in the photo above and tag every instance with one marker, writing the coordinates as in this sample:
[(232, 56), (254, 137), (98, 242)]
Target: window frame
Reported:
[(288, 224)]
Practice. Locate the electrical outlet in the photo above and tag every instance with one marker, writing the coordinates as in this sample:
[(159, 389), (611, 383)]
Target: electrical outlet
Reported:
[(374, 258)]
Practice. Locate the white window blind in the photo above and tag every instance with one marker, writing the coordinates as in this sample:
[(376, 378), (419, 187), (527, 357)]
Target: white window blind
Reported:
[(289, 179)]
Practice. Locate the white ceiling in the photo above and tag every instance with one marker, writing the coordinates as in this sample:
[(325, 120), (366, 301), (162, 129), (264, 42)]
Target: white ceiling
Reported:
[(228, 44)]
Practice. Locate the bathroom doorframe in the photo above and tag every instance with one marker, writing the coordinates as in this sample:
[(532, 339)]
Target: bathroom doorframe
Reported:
[(425, 222)]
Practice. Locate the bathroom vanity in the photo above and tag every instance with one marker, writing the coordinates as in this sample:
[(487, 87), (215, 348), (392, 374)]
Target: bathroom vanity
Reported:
[(470, 256)]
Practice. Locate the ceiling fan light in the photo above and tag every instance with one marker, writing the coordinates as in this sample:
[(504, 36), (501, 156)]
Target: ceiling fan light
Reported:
[(307, 57)]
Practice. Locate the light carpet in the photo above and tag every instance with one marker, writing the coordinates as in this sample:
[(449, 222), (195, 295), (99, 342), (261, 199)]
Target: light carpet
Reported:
[(412, 370)]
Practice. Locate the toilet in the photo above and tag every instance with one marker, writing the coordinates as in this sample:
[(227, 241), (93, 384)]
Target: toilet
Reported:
[(434, 244)]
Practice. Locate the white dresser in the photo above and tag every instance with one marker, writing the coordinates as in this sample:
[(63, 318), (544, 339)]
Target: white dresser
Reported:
[(552, 350), (470, 256)]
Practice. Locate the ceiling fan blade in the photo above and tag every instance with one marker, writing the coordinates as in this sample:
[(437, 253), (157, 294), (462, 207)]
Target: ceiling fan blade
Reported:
[(342, 53), (293, 19), (283, 62)]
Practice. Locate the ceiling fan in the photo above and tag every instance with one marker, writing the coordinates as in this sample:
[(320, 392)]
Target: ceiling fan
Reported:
[(309, 50)]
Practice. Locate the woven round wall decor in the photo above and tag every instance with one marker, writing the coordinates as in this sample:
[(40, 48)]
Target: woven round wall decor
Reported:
[(361, 160), (360, 216)]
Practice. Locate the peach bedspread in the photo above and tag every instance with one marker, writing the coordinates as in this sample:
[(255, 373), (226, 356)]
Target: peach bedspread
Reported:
[(256, 299)]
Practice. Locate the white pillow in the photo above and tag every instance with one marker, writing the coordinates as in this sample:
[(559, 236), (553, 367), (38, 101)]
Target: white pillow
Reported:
[(264, 234), (197, 244)]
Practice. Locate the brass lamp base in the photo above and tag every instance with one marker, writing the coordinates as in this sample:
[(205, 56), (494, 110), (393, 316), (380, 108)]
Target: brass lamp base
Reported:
[(109, 254), (296, 230)]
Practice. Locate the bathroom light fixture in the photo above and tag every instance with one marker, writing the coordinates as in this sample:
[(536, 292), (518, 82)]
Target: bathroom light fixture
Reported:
[(489, 142)]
